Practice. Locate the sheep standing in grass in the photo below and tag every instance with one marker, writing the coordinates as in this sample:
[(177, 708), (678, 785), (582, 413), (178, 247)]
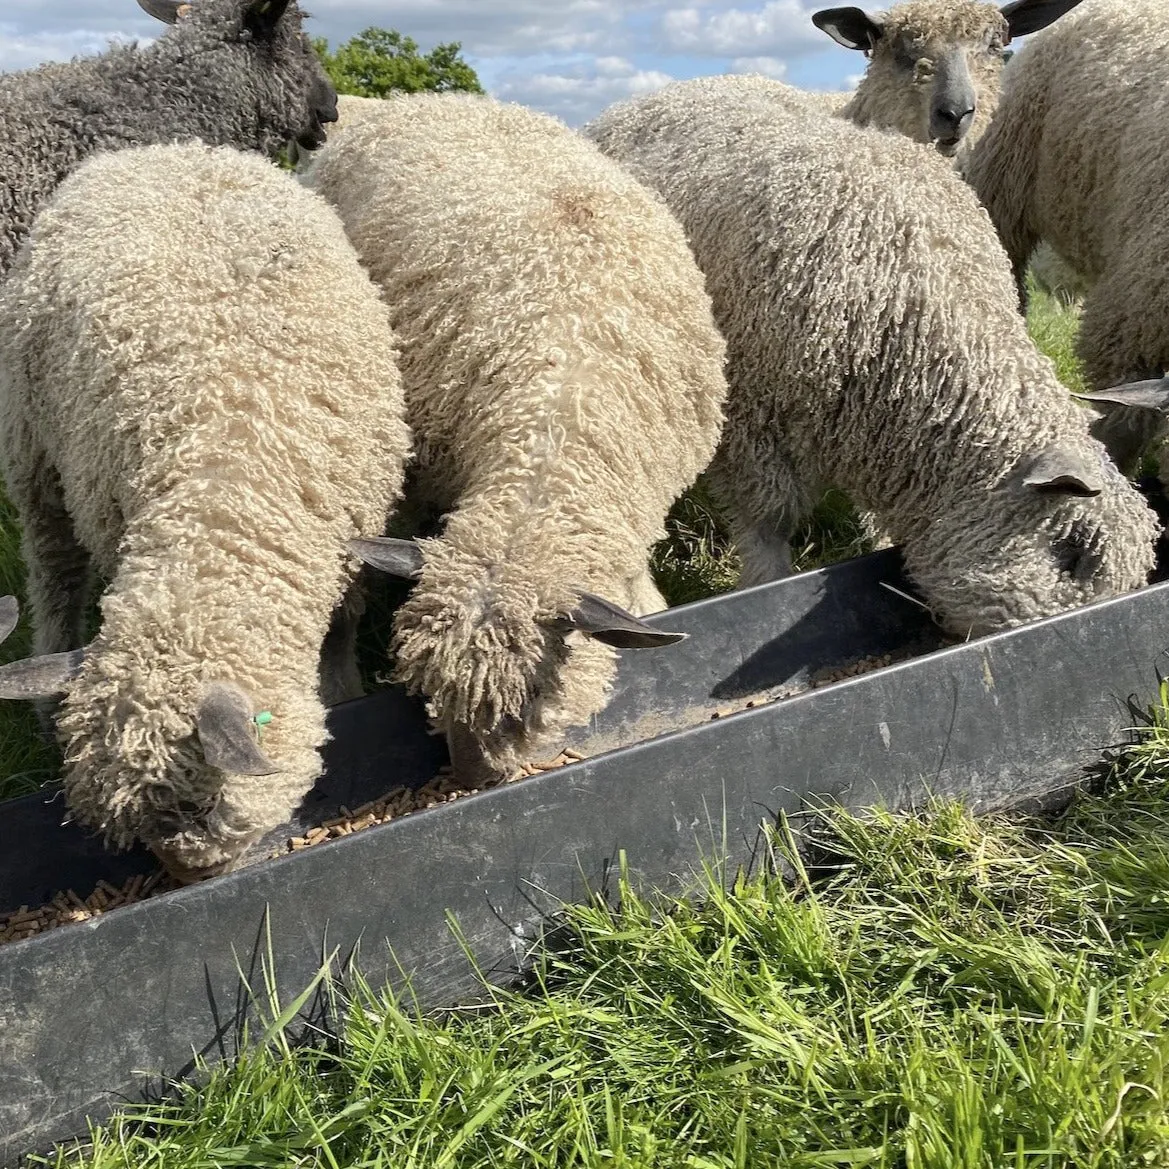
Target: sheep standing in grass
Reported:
[(564, 383), (934, 66), (232, 72), (199, 397), (1078, 155), (874, 344)]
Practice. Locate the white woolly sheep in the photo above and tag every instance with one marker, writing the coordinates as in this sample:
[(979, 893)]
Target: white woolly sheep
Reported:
[(351, 110), (199, 397), (564, 383), (934, 66), (1078, 155), (231, 72), (874, 344)]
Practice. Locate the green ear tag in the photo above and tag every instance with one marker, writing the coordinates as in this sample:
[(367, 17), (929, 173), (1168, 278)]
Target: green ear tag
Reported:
[(261, 720)]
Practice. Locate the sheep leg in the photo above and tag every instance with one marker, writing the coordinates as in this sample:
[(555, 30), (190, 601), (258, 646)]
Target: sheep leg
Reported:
[(758, 491), (340, 679), (57, 564)]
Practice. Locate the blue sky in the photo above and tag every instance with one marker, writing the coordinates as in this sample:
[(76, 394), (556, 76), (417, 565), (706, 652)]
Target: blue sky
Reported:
[(569, 57)]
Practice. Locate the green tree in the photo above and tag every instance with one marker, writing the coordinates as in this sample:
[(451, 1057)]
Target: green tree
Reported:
[(380, 60)]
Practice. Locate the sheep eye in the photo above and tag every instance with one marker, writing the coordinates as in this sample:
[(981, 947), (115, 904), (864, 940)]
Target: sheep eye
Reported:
[(904, 57)]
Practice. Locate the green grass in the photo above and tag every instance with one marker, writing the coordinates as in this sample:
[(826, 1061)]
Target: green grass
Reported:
[(940, 991), (1053, 323)]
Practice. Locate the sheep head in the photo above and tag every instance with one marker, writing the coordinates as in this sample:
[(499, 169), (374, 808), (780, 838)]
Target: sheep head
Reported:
[(503, 662), (275, 67), (934, 65), (194, 838), (1060, 528)]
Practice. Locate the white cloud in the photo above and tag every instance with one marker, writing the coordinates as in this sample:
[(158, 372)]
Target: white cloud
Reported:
[(779, 28), (771, 67), (578, 92), (23, 51)]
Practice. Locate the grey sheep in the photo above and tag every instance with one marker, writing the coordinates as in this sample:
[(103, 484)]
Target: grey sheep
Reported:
[(199, 399), (874, 344), (230, 72)]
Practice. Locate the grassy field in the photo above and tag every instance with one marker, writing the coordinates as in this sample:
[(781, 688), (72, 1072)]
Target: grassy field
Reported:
[(937, 992)]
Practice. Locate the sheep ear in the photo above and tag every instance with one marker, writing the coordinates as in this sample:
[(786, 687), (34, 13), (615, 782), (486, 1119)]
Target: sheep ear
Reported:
[(168, 11), (1028, 16), (1151, 395), (1064, 470), (228, 733), (853, 28), (9, 616), (603, 621), (263, 15), (45, 676), (395, 557)]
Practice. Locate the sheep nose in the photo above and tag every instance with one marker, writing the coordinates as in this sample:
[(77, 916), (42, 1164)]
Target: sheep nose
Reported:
[(952, 120)]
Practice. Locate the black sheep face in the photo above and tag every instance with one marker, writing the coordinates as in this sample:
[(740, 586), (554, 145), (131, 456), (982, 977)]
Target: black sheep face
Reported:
[(270, 68)]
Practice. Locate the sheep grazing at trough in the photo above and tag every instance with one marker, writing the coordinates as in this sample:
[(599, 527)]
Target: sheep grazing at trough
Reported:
[(934, 66), (199, 398), (1078, 156), (564, 383), (230, 72), (874, 344)]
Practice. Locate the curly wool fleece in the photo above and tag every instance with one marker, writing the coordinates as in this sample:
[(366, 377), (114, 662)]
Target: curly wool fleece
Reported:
[(564, 383), (199, 394), (1078, 156), (201, 79), (874, 343)]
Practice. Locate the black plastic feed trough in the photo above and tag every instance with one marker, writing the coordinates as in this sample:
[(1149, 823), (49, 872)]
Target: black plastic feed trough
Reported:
[(93, 1013)]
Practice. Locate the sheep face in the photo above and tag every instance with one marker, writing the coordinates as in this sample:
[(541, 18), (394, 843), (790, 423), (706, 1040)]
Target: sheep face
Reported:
[(177, 762), (1062, 529), (934, 65), (273, 63)]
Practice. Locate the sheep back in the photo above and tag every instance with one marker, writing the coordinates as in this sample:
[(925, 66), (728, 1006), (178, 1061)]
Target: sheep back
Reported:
[(189, 343)]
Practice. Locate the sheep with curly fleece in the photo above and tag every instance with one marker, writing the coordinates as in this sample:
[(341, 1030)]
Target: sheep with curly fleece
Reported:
[(199, 399), (351, 109), (874, 344), (934, 66), (564, 383), (1078, 155), (230, 72)]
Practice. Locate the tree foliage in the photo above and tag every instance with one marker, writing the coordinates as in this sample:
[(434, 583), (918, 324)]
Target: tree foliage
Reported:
[(381, 60)]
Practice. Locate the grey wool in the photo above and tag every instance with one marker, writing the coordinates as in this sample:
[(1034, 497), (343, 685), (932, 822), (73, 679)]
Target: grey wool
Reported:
[(874, 344), (1078, 157), (230, 72), (564, 384), (199, 401)]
